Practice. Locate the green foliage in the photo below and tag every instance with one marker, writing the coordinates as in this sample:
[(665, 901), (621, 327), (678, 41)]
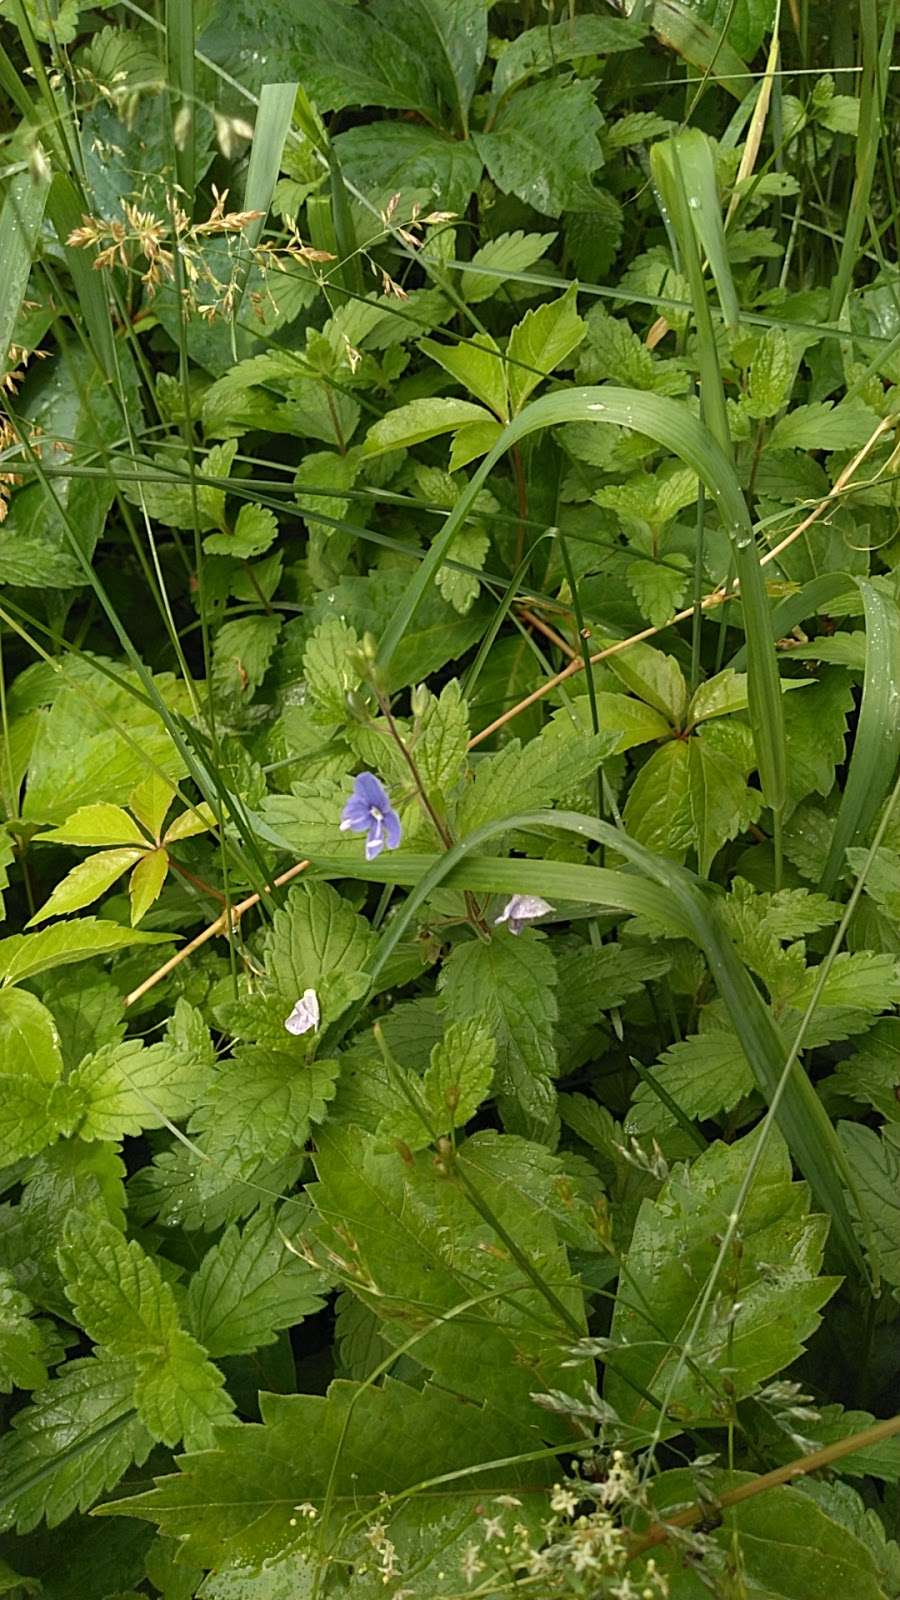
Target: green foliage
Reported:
[(415, 1218)]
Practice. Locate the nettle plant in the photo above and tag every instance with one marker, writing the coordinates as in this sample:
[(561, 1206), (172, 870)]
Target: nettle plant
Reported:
[(448, 1039)]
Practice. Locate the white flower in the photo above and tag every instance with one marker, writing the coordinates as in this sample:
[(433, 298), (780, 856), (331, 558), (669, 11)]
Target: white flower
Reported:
[(520, 909), (305, 1016)]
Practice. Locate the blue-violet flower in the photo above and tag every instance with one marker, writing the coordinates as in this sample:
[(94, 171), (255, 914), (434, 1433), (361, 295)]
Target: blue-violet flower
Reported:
[(522, 908), (370, 811), (305, 1016)]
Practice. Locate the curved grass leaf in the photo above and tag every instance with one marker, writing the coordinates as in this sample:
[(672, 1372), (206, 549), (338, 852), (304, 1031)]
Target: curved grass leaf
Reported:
[(877, 743)]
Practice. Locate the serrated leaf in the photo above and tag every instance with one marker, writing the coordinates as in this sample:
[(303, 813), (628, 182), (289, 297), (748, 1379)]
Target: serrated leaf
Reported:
[(421, 419), (337, 1454), (872, 1074), (255, 529), (461, 589), (29, 1041), (100, 824), (146, 882), (719, 799), (821, 425), (24, 955), (539, 48), (719, 696), (250, 1284), (510, 982), (75, 1440), (263, 1104), (440, 749), (658, 811), (544, 146), (199, 819), (242, 651), (546, 769), (654, 677), (875, 1163), (774, 1292), (21, 1344), (631, 721), (415, 1232), (314, 938), (540, 343), (477, 365), (131, 1086), (506, 255), (330, 668), (705, 1074), (772, 373), (87, 882), (125, 1306), (659, 587)]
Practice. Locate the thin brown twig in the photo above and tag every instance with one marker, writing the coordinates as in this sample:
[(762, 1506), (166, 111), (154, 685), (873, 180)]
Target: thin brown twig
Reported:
[(219, 926), (548, 632), (660, 1531)]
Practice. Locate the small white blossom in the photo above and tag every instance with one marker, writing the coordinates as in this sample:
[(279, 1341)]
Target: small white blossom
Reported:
[(305, 1016), (520, 909)]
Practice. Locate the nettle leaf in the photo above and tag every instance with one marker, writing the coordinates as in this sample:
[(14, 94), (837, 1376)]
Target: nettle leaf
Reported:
[(773, 1292), (399, 157), (504, 256), (242, 651), (454, 1085), (541, 342), (29, 1040), (789, 1548), (544, 146), (872, 1074), (315, 940), (131, 1086), (338, 1455), (123, 1303), (875, 1163), (546, 769), (859, 985), (330, 667), (416, 1250), (251, 1284), (22, 1346), (255, 529), (705, 1074), (824, 426), (772, 373), (510, 982), (440, 748), (74, 1442), (539, 48), (262, 1104), (659, 587)]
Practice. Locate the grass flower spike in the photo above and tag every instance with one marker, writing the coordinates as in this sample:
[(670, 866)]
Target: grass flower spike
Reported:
[(370, 811)]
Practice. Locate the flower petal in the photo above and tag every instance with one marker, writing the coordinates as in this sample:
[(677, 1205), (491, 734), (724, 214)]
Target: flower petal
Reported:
[(306, 1015)]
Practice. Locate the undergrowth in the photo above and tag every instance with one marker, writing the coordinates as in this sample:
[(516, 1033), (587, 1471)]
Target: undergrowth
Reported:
[(450, 699)]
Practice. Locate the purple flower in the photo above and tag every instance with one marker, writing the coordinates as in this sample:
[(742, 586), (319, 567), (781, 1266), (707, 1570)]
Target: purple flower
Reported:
[(305, 1016), (370, 811), (520, 909)]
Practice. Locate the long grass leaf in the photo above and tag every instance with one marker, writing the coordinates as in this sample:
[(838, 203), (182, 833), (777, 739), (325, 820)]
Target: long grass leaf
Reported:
[(20, 224), (671, 424), (801, 1115), (273, 121), (876, 748)]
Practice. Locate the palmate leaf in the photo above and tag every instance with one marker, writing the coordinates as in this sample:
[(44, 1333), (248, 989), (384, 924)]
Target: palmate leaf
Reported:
[(773, 1299), (416, 1250), (244, 1501), (24, 955)]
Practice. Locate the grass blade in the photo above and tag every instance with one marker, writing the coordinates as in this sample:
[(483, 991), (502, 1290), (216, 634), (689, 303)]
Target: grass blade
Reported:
[(20, 224), (273, 121), (876, 747)]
